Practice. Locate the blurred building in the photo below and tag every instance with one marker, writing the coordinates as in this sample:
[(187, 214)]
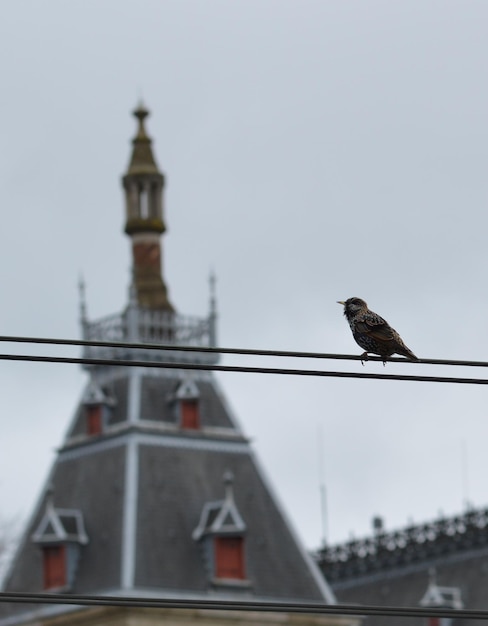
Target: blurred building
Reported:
[(442, 564), (156, 491)]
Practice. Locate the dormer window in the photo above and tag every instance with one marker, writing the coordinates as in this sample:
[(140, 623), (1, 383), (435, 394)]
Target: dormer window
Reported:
[(54, 566), (188, 405), (97, 405), (94, 425), (189, 417), (59, 534), (441, 598), (229, 557), (221, 531)]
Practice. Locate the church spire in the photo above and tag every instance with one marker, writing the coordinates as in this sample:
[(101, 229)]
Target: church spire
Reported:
[(143, 184), (142, 160)]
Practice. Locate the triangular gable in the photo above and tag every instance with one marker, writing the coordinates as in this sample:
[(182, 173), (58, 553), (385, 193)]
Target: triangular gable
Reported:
[(220, 517), (94, 394), (435, 596), (60, 525), (228, 519), (187, 390)]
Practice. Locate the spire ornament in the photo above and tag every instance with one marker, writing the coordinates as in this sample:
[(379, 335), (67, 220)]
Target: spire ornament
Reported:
[(142, 160), (143, 185), (212, 280), (82, 293)]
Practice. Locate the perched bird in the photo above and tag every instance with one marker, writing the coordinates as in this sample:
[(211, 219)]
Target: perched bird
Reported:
[(372, 332)]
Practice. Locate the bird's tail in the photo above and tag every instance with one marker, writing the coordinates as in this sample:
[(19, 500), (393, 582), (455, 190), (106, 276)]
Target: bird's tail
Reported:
[(404, 351)]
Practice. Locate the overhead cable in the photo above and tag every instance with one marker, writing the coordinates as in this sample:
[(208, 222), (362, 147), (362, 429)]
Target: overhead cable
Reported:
[(244, 605), (241, 369), (235, 351)]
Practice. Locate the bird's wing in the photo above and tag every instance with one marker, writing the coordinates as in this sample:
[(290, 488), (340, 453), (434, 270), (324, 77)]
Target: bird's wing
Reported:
[(375, 326)]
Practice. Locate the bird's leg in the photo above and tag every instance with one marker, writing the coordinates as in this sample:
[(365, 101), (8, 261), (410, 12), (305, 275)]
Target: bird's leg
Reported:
[(364, 357)]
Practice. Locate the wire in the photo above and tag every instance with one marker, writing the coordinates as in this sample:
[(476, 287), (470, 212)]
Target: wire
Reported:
[(242, 369), (236, 351), (233, 605), (308, 608)]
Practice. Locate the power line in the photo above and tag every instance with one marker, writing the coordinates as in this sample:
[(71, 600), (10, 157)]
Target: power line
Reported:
[(234, 605), (235, 351), (241, 369), (337, 609)]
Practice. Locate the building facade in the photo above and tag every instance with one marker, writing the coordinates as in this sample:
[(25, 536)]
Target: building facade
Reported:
[(439, 564), (156, 491)]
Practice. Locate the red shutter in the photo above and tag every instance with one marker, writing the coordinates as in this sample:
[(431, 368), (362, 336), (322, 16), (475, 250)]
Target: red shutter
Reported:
[(229, 557), (94, 420), (190, 417), (434, 621), (54, 566)]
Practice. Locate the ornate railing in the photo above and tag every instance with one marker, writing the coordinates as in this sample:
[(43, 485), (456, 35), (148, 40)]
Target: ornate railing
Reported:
[(143, 326), (162, 327), (109, 328), (412, 544)]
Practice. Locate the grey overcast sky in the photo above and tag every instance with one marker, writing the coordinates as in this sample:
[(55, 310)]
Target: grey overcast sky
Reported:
[(314, 150)]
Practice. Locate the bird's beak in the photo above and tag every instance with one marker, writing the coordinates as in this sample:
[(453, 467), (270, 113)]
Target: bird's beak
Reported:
[(340, 302)]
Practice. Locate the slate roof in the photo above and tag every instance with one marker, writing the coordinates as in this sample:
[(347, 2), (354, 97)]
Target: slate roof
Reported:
[(395, 568), (141, 488), (129, 485)]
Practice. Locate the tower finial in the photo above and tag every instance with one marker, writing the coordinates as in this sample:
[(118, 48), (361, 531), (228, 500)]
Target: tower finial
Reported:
[(228, 479), (432, 576), (141, 112), (144, 184), (212, 280), (50, 496), (82, 295), (142, 159)]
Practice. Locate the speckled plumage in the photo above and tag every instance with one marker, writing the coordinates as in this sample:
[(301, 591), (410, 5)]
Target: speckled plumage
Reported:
[(372, 332)]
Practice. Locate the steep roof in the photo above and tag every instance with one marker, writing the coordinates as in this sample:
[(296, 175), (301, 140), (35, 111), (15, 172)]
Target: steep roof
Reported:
[(132, 502), (141, 488)]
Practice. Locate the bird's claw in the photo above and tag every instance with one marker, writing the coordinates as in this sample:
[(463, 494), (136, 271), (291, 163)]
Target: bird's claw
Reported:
[(364, 357)]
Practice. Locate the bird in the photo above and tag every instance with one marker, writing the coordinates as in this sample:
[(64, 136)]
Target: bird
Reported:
[(372, 332)]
